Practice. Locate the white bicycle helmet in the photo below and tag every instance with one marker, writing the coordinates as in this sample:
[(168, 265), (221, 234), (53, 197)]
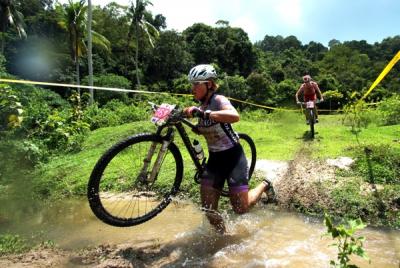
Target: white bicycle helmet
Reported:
[(202, 72)]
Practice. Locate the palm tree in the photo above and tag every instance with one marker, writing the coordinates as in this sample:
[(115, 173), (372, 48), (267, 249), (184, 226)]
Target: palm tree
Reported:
[(139, 25), (9, 15), (72, 17), (90, 61)]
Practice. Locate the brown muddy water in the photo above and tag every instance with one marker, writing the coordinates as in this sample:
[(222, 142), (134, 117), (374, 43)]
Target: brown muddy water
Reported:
[(265, 237)]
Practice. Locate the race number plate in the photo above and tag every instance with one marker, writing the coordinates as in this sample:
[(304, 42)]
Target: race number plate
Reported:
[(310, 104), (162, 113)]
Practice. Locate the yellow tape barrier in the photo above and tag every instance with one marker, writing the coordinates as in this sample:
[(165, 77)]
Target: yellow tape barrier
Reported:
[(259, 105), (87, 87), (124, 90), (385, 71)]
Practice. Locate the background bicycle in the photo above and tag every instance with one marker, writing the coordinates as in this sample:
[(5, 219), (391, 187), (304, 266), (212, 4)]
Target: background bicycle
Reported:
[(311, 116), (136, 178)]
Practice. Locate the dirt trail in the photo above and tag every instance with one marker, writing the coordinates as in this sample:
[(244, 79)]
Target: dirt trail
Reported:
[(299, 181), (295, 182)]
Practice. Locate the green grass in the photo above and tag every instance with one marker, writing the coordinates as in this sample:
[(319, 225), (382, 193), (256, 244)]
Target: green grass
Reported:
[(12, 244), (278, 136), (68, 174), (333, 139)]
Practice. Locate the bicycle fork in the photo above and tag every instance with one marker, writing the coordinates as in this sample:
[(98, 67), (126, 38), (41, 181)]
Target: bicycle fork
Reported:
[(157, 164)]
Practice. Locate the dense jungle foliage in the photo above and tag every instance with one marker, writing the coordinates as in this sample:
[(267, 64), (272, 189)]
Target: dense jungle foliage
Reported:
[(47, 41)]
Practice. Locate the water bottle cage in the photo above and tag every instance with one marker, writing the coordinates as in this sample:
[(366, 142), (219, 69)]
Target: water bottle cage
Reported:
[(197, 176)]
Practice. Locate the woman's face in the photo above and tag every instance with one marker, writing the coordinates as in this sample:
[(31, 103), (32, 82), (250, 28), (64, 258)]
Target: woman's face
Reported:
[(199, 89)]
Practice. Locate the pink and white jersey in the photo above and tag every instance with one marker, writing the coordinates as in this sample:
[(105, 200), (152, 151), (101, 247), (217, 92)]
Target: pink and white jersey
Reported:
[(219, 136)]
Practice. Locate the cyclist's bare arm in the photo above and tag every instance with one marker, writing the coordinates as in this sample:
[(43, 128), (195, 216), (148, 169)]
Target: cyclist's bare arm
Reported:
[(228, 114), (298, 93), (319, 92)]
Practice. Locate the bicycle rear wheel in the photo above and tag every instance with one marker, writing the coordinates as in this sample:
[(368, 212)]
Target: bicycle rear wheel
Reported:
[(312, 122), (250, 152), (120, 192)]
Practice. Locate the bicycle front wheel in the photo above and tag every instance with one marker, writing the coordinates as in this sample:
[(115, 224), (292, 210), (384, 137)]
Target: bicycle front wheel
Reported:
[(124, 190)]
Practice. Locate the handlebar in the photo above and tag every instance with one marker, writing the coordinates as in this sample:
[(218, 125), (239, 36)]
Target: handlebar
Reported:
[(176, 115), (302, 102)]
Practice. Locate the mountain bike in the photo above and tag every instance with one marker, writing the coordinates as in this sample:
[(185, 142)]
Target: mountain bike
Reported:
[(136, 179), (310, 115)]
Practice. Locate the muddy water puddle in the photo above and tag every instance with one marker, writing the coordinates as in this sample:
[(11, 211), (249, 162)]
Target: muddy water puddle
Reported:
[(266, 237)]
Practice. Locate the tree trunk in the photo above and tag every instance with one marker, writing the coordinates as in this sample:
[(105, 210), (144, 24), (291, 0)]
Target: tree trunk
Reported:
[(3, 38), (78, 82), (128, 40), (2, 45), (90, 61), (137, 54)]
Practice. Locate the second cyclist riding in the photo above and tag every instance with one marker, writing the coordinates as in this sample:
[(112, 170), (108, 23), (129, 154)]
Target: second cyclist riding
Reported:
[(136, 178)]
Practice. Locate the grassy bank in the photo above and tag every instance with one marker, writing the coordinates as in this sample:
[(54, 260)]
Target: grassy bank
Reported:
[(278, 136)]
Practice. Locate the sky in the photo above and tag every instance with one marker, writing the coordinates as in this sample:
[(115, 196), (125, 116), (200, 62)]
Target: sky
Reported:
[(308, 20)]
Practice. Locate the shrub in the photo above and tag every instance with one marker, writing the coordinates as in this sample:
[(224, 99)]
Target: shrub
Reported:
[(378, 164), (257, 115), (181, 85), (12, 244), (26, 153), (389, 110), (287, 89), (115, 112), (112, 81), (98, 118), (233, 86), (346, 242), (357, 116), (10, 109), (350, 202)]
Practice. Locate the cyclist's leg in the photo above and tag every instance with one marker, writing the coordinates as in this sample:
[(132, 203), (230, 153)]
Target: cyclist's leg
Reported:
[(242, 199), (314, 98), (209, 202), (210, 191)]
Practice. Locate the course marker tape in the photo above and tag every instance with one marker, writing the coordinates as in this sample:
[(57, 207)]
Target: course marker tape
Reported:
[(385, 71), (124, 90), (87, 87)]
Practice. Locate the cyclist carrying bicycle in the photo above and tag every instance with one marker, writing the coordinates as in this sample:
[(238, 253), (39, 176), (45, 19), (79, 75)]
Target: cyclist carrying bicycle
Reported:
[(309, 89), (226, 161)]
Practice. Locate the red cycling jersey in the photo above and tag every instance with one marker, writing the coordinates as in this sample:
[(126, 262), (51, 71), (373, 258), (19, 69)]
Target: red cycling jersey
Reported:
[(309, 91), (310, 97)]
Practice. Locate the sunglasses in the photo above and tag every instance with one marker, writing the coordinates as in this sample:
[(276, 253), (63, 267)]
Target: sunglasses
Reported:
[(196, 83)]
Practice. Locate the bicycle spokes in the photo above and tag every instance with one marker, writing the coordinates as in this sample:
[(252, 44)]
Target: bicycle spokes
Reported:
[(132, 181)]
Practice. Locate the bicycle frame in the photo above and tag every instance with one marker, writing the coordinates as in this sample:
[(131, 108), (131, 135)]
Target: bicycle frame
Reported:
[(309, 106), (177, 120), (167, 139)]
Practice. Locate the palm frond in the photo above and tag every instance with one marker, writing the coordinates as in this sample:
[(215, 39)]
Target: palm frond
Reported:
[(10, 15), (101, 41), (150, 31)]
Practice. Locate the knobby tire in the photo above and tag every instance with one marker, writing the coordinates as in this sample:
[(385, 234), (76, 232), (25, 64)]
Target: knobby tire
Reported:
[(312, 122), (114, 173)]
